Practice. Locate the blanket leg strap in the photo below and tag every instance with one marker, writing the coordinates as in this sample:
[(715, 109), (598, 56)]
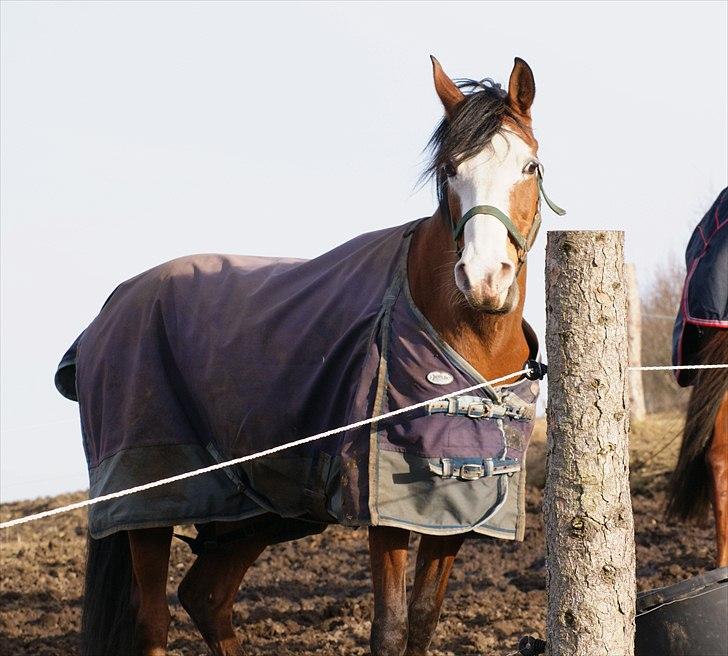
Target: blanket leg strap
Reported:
[(204, 542), (273, 528)]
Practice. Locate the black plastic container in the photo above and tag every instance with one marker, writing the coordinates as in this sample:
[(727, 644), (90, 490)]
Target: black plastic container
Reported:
[(689, 618)]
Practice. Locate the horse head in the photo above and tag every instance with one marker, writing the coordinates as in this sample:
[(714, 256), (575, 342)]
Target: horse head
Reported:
[(489, 182)]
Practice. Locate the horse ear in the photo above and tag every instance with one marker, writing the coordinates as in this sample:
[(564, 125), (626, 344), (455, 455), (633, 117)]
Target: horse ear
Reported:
[(447, 90), (521, 88)]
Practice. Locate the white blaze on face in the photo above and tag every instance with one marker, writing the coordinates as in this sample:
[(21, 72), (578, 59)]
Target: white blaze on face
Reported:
[(486, 271)]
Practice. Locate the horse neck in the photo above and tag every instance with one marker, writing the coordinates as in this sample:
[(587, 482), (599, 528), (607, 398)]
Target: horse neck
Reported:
[(494, 344)]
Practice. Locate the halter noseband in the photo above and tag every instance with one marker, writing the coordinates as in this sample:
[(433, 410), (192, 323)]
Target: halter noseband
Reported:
[(524, 241)]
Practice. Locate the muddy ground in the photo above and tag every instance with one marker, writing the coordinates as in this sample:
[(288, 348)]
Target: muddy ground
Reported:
[(313, 596)]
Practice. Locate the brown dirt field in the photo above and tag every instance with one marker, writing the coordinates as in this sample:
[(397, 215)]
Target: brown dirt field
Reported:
[(313, 596)]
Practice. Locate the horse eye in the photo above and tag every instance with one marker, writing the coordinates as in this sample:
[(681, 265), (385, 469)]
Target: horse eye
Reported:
[(449, 170), (531, 168)]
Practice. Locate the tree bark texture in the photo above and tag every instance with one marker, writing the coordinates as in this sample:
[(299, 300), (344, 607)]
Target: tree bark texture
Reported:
[(634, 345), (587, 505)]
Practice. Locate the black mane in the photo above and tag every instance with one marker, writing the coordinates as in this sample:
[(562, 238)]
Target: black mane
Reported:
[(471, 129)]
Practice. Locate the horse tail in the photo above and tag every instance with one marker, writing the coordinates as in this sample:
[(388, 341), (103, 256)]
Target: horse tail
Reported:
[(688, 495), (107, 620)]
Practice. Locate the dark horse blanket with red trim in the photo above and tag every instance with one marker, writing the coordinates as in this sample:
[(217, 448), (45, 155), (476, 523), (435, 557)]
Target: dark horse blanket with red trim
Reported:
[(211, 357), (704, 301)]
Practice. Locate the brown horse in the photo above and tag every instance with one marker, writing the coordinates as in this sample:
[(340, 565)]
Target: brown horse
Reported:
[(701, 475), (701, 337), (469, 280)]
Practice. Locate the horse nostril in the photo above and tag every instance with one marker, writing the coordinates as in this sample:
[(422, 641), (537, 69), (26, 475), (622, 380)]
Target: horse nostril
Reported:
[(502, 278), (461, 278), (506, 269)]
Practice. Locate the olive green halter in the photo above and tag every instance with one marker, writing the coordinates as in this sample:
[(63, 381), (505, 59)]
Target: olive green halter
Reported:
[(524, 241)]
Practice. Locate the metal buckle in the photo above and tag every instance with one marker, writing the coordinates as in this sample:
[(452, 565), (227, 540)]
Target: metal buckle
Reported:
[(477, 410), (471, 471), (498, 411)]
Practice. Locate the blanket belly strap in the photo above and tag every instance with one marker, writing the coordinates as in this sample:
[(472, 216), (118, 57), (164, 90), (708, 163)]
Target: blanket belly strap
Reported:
[(468, 470)]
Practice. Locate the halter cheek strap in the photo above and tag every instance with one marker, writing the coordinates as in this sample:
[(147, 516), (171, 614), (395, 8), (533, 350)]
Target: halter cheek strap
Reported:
[(553, 206), (524, 241)]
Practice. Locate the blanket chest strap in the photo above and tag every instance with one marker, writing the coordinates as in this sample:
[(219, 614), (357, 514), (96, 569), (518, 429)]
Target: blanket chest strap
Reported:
[(478, 407)]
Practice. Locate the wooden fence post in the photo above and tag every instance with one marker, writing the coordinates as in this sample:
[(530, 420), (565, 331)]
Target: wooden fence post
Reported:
[(587, 506), (634, 345)]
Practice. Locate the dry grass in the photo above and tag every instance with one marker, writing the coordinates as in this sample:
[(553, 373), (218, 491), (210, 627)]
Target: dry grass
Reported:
[(654, 445)]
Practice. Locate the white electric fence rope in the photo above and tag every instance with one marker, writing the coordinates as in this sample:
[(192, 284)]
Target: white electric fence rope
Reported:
[(681, 366), (58, 422), (252, 456), (303, 440)]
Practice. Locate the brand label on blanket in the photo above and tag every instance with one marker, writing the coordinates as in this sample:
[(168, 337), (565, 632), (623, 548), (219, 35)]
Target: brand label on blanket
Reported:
[(439, 378)]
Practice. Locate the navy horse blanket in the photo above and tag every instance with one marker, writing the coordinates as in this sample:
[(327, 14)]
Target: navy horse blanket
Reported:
[(212, 357), (704, 300)]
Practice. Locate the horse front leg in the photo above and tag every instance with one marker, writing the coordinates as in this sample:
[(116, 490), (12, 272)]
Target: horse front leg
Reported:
[(718, 463), (150, 561), (388, 555), (207, 592), (435, 559)]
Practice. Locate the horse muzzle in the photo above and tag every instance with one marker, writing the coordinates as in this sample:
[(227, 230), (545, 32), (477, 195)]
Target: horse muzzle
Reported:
[(486, 288)]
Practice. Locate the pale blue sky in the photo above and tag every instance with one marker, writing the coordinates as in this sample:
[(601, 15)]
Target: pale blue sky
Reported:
[(136, 132)]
